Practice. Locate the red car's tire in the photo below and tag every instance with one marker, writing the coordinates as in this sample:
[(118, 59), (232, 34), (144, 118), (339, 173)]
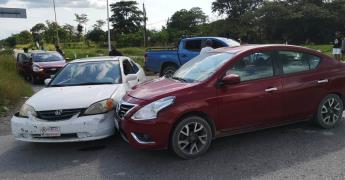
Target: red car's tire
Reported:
[(191, 137), (329, 112)]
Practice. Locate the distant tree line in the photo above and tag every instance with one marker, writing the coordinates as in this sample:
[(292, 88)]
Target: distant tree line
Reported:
[(260, 21)]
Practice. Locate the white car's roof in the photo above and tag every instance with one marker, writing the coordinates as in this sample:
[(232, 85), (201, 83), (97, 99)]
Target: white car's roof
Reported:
[(101, 58)]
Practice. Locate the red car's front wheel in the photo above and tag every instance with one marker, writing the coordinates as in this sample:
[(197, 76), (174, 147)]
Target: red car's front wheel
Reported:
[(191, 138)]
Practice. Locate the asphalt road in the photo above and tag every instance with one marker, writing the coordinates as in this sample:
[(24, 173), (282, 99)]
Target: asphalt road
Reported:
[(299, 151)]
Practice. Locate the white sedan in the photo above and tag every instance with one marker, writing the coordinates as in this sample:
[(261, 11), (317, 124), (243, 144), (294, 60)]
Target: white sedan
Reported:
[(78, 103)]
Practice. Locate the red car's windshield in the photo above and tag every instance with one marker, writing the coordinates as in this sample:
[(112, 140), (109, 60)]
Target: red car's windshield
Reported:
[(202, 67), (46, 57)]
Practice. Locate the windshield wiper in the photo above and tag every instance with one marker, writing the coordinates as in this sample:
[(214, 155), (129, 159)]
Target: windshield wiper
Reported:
[(179, 79)]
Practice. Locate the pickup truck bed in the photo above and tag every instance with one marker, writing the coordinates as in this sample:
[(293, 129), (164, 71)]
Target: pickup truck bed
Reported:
[(166, 61)]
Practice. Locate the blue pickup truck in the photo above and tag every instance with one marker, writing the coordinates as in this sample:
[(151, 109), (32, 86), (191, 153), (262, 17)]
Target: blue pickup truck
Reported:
[(166, 61)]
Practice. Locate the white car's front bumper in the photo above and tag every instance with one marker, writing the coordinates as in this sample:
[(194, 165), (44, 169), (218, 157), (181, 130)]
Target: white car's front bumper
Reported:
[(84, 128)]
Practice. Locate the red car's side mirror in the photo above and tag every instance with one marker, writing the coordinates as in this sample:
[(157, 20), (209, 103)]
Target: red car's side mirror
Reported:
[(231, 79)]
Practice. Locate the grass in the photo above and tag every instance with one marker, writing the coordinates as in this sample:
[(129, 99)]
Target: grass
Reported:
[(324, 48), (12, 86), (77, 52)]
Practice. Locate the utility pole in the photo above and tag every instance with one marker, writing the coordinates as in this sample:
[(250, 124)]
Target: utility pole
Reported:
[(145, 33), (109, 45), (57, 31)]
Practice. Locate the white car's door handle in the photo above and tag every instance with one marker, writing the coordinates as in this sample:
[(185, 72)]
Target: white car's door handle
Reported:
[(271, 89), (322, 81)]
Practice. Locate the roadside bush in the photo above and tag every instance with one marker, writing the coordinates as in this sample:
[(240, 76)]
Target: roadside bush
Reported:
[(12, 86)]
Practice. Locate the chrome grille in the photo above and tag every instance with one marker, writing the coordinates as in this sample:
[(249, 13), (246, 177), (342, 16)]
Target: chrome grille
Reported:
[(123, 109), (56, 115)]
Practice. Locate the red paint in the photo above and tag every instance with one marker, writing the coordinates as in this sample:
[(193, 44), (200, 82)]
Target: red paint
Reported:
[(236, 108)]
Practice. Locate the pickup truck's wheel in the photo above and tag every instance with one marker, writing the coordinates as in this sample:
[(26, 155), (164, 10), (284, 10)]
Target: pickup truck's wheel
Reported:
[(168, 71), (191, 137), (330, 111)]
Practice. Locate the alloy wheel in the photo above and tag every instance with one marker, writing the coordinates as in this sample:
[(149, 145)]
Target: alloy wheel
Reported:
[(331, 111), (192, 138)]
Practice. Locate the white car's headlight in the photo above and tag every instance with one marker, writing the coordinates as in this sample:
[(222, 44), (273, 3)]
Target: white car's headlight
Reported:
[(151, 110), (100, 107), (36, 68), (25, 110)]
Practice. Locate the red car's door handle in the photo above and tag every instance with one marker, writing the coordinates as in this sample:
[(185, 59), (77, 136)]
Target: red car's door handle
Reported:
[(322, 81), (272, 89)]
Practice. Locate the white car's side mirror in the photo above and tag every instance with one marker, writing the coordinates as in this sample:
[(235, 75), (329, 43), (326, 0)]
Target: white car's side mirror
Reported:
[(131, 77), (47, 81)]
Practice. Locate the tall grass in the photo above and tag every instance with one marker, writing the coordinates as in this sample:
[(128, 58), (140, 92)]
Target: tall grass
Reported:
[(12, 86)]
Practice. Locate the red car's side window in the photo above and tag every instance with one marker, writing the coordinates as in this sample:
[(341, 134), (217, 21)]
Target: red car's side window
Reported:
[(252, 67), (293, 62)]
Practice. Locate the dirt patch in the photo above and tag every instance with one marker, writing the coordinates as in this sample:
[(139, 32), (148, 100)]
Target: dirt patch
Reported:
[(5, 120)]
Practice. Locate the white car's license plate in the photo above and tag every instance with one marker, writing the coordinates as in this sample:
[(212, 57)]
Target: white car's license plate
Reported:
[(50, 132)]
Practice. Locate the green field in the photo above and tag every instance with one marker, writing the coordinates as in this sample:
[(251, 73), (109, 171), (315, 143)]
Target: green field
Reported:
[(12, 86), (325, 48)]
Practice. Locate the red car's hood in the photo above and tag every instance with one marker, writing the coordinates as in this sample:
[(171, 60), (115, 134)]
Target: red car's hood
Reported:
[(51, 64), (157, 88)]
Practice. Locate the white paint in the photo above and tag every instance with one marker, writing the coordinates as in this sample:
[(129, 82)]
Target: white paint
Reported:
[(75, 97)]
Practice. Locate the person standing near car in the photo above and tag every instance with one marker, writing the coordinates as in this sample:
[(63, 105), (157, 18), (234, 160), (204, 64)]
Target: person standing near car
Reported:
[(207, 48), (337, 43), (114, 52), (343, 49), (57, 47)]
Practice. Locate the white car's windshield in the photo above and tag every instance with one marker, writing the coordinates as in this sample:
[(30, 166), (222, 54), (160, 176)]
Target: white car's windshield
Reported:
[(88, 73), (202, 67)]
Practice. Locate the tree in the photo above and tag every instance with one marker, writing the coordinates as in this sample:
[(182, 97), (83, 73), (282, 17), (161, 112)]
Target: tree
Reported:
[(298, 22), (11, 41), (82, 20), (126, 18), (99, 24), (80, 31), (38, 28), (185, 20), (69, 30), (37, 31), (96, 35), (49, 34), (235, 8), (24, 37)]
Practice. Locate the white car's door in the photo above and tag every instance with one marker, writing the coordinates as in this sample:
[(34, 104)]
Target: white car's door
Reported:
[(139, 71), (130, 67)]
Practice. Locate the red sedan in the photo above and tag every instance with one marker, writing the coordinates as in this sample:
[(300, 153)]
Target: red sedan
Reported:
[(40, 65), (231, 91)]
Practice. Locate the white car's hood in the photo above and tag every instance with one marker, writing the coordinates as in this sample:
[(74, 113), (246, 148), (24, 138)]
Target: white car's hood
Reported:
[(72, 97)]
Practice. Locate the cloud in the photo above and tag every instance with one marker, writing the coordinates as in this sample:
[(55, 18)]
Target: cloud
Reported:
[(4, 1), (58, 3)]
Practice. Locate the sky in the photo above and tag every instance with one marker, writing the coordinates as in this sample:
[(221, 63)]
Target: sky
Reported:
[(158, 11)]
